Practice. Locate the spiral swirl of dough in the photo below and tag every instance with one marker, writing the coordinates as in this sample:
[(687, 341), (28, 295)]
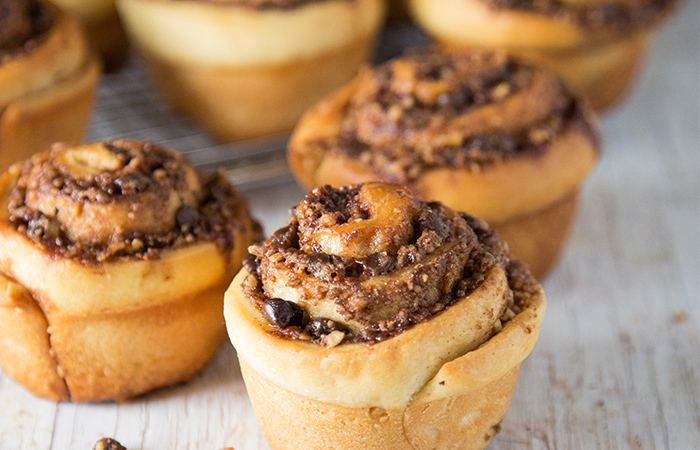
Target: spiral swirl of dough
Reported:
[(100, 191), (378, 218), (451, 109), (432, 110), (120, 198), (373, 259)]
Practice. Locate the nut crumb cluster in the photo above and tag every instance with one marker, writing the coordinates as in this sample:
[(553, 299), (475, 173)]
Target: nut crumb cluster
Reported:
[(432, 110), (443, 258), (150, 170)]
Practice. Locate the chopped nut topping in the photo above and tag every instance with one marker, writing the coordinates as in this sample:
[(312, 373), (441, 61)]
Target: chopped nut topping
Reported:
[(333, 339), (334, 299), (59, 194), (426, 110)]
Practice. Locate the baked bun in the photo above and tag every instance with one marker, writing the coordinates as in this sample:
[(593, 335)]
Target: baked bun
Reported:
[(104, 30), (114, 257), (595, 45), (375, 321), (47, 79), (479, 131), (245, 68)]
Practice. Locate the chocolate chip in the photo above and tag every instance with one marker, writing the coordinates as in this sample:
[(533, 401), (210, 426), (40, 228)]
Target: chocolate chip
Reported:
[(379, 263), (187, 216), (320, 326), (250, 263), (283, 313), (353, 270), (429, 220)]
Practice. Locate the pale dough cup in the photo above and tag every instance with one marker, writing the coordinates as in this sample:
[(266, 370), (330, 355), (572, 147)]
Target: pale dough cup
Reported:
[(242, 69)]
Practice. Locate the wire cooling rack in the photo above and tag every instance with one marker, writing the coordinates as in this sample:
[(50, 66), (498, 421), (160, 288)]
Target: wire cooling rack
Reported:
[(128, 107)]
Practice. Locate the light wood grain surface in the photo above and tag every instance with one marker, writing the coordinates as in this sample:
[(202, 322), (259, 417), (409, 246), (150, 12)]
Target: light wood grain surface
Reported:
[(618, 361)]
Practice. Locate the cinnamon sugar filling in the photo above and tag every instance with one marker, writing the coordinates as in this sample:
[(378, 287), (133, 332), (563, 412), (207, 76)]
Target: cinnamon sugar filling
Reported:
[(436, 259), (158, 201), (432, 110), (624, 16)]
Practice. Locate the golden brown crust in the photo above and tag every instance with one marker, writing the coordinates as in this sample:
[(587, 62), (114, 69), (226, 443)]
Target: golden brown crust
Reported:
[(117, 322), (25, 350), (239, 103), (285, 59), (47, 91), (363, 346), (123, 354), (539, 236), (437, 424), (603, 73)]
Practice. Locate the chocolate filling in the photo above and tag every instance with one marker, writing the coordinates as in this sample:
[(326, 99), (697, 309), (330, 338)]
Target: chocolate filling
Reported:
[(406, 119), (147, 167), (22, 24), (343, 280), (624, 17), (151, 168)]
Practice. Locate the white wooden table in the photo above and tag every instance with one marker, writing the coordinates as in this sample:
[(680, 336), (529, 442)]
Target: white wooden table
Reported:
[(617, 365)]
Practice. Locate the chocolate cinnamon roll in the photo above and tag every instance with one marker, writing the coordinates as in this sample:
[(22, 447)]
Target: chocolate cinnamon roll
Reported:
[(595, 45), (245, 68), (47, 79), (482, 132), (374, 320), (114, 257)]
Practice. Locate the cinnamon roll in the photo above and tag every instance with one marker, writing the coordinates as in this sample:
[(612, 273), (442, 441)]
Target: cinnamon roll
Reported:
[(114, 257), (595, 45), (47, 79), (374, 320), (481, 132), (245, 68), (101, 22)]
